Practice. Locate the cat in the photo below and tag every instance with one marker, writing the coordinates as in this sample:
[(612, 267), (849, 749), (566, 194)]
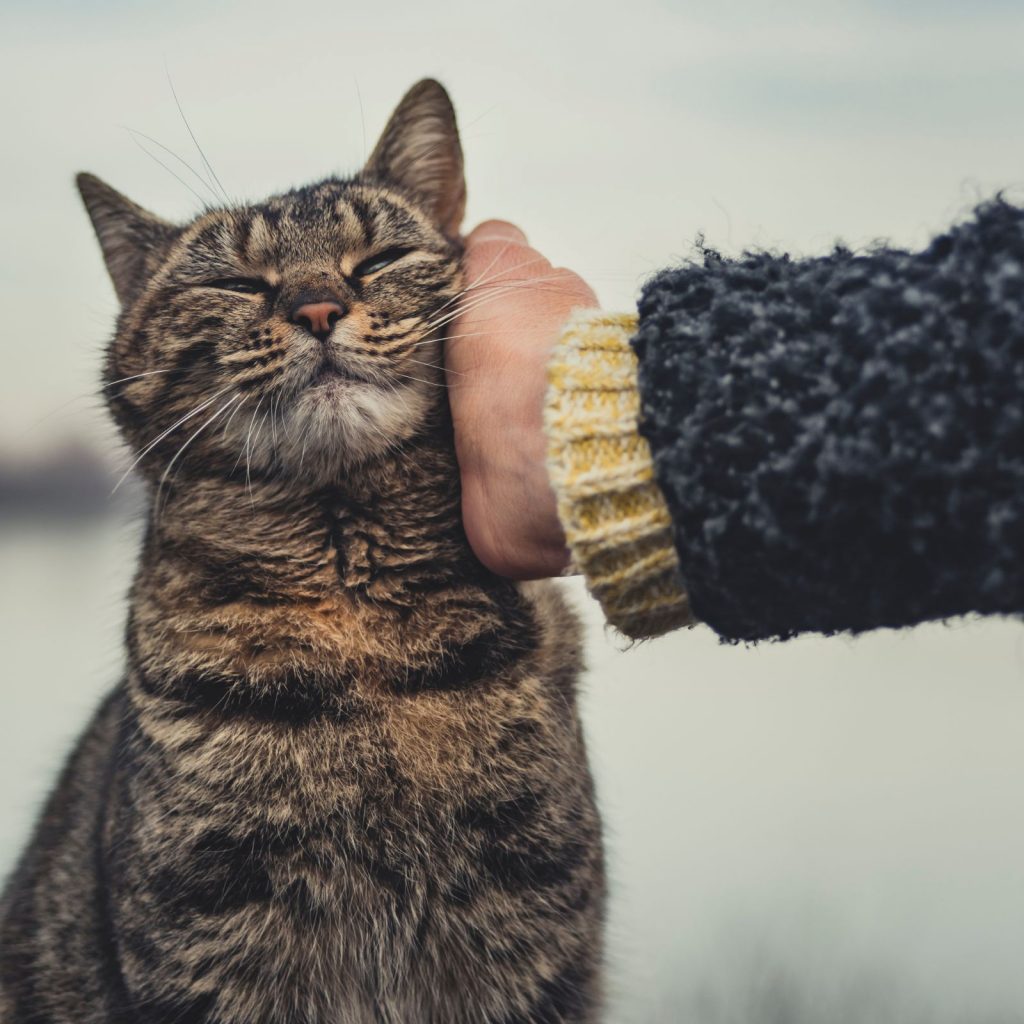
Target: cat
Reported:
[(343, 779)]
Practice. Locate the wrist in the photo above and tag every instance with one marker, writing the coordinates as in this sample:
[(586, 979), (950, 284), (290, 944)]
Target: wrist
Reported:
[(615, 519)]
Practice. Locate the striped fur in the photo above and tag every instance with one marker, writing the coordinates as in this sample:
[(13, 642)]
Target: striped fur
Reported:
[(343, 780)]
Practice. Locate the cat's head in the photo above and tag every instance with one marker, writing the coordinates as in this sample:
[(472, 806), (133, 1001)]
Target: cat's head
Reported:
[(297, 337)]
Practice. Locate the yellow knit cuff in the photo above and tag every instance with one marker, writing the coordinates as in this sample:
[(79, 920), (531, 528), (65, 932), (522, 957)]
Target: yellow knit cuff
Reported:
[(614, 515)]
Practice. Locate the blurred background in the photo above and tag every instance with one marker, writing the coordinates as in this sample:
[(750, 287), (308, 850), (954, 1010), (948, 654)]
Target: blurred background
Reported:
[(817, 831)]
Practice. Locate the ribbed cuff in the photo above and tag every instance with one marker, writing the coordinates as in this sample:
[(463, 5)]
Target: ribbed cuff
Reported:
[(615, 518)]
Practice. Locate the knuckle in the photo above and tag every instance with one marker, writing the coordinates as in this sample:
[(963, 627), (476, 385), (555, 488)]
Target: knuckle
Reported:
[(499, 229)]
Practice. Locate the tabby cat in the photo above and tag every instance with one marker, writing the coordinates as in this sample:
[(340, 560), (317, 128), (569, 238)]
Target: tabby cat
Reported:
[(343, 779)]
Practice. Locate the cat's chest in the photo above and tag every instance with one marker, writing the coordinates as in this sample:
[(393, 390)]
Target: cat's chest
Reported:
[(384, 758)]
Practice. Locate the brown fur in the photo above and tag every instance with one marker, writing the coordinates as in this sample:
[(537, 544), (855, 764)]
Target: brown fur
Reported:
[(343, 780)]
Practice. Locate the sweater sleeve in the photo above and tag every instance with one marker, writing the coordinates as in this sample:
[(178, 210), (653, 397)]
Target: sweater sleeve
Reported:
[(840, 440), (615, 518)]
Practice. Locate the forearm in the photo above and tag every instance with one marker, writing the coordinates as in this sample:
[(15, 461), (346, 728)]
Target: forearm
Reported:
[(837, 443), (840, 441)]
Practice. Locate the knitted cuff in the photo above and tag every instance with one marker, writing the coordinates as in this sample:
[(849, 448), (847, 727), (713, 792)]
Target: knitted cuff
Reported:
[(615, 518)]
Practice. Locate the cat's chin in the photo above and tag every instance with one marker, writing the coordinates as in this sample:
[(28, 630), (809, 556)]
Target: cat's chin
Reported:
[(336, 424)]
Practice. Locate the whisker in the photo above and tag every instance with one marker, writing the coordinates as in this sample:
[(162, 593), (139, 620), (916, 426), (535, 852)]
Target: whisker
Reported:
[(462, 291), (135, 376), (85, 397), (245, 448), (248, 451), (170, 465), (436, 366), (188, 128), (273, 419), (482, 280), (451, 314), (170, 152), (362, 115), (241, 450), (227, 422), (406, 376), (467, 307), (152, 444), (497, 292), (501, 252), (479, 117), (173, 174), (450, 337)]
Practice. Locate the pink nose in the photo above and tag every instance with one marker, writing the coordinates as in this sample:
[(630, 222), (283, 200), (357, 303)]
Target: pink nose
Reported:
[(318, 317)]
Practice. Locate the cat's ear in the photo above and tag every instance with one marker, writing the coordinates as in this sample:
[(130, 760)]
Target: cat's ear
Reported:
[(132, 239), (420, 152)]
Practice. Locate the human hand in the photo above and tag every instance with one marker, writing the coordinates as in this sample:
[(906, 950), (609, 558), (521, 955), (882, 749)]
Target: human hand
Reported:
[(496, 361)]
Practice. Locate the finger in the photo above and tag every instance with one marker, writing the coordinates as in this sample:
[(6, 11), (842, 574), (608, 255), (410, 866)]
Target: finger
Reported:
[(490, 230), (574, 284)]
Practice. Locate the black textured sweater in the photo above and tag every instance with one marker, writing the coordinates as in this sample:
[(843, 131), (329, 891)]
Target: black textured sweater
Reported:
[(841, 440)]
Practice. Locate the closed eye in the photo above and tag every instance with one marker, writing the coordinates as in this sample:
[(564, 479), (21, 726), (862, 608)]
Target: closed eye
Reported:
[(243, 285), (379, 262)]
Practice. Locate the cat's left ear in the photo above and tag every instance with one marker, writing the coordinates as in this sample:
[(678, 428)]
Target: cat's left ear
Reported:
[(132, 239), (420, 153)]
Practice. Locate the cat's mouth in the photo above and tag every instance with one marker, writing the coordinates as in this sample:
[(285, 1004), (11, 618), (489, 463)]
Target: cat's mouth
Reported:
[(331, 372)]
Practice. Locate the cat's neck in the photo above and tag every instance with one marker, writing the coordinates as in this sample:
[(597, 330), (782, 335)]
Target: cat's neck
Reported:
[(388, 527), (269, 594)]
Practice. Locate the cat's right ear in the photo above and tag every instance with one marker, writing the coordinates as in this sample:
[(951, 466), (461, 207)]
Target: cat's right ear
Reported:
[(132, 239), (420, 152)]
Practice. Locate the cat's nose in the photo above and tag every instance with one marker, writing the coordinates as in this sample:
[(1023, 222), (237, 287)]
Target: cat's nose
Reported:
[(317, 317)]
